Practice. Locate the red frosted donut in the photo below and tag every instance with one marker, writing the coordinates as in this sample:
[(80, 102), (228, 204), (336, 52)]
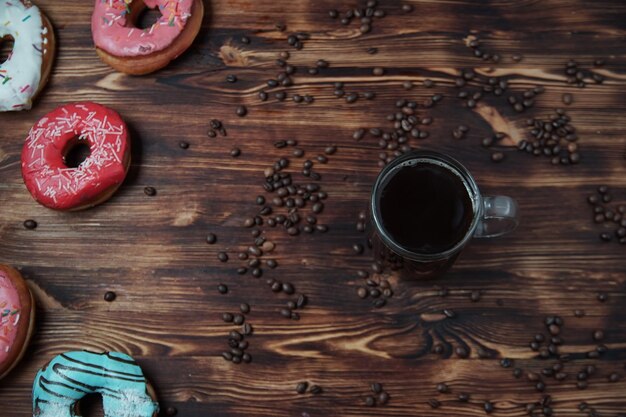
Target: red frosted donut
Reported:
[(55, 185), (136, 51)]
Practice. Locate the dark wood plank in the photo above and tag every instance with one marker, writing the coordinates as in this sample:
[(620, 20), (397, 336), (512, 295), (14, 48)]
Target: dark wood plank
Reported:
[(152, 253)]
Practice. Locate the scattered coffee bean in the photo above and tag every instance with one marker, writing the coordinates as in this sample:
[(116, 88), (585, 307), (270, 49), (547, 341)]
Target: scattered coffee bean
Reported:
[(315, 389), (150, 191), (211, 238), (302, 387), (461, 352), (434, 403), (30, 224), (442, 388), (241, 111), (567, 98), (109, 296), (497, 156)]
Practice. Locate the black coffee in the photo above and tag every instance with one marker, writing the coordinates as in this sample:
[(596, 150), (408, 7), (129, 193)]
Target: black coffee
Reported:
[(425, 207)]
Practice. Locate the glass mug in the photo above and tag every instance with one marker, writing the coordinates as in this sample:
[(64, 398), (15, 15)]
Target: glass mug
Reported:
[(451, 212)]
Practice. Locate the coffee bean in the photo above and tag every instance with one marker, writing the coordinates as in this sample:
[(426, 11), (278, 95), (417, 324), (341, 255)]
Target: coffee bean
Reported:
[(379, 303), (288, 288), (315, 389), (606, 237), (302, 387), (109, 296), (376, 388), (461, 352), (383, 398), (497, 156), (362, 292), (449, 313), (149, 191), (506, 363), (238, 319), (370, 401), (378, 71), (434, 403), (567, 99), (241, 111), (231, 78), (598, 335), (211, 238), (442, 388), (614, 377), (351, 98), (358, 134), (30, 224), (602, 297), (222, 256), (488, 406), (183, 145), (223, 289), (554, 329)]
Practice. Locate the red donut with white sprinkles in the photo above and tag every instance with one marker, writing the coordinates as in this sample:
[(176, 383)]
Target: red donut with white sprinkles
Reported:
[(59, 186)]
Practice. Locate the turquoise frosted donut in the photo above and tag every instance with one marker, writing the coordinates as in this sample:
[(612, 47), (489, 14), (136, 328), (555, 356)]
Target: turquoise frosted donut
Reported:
[(72, 375)]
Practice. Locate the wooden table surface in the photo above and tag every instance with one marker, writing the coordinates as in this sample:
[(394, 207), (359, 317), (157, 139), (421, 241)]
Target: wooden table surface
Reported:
[(152, 252)]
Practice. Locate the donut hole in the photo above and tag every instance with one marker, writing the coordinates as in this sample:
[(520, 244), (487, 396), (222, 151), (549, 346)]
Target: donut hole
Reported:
[(145, 17), (6, 48), (76, 153), (90, 406)]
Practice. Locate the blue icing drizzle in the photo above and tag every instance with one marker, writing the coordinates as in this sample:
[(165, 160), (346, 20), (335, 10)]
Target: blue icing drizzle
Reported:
[(72, 375)]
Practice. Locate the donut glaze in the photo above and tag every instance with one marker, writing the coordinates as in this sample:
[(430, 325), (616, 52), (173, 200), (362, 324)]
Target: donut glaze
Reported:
[(21, 73), (113, 29), (70, 376), (45, 174)]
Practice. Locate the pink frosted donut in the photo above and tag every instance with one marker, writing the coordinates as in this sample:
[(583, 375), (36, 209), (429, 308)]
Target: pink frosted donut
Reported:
[(58, 186), (119, 42), (17, 316)]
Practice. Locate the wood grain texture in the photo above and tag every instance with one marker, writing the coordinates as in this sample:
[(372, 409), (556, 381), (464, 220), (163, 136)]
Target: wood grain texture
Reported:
[(151, 250)]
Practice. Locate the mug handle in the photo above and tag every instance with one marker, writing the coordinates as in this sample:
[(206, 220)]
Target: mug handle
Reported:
[(500, 216)]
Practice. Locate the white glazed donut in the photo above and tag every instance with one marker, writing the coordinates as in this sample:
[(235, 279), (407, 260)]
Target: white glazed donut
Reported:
[(24, 74)]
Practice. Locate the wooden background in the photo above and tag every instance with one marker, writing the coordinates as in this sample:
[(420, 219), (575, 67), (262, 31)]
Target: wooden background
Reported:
[(151, 250)]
